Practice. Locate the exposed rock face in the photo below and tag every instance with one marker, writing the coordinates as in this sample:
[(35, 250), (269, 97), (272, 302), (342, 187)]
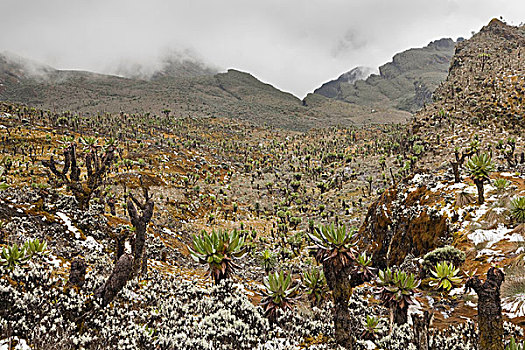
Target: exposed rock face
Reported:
[(406, 83), (401, 222), (332, 88)]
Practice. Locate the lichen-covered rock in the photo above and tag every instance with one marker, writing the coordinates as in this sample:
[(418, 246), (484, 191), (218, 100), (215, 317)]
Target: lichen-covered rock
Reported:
[(402, 221)]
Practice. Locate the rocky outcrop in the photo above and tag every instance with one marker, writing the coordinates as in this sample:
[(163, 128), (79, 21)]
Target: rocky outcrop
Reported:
[(403, 221), (404, 84)]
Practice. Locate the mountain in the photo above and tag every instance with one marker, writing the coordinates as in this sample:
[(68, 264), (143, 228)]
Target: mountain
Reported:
[(185, 89), (404, 84), (187, 86), (478, 109), (332, 88), (486, 79)]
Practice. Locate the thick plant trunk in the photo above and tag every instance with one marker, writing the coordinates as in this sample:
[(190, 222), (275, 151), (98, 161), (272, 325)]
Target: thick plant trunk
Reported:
[(479, 185), (118, 279), (421, 326), (339, 282), (400, 315), (490, 319), (455, 170)]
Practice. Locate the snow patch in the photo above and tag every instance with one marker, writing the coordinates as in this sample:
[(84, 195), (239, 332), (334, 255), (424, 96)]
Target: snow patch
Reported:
[(69, 225), (458, 186), (494, 236)]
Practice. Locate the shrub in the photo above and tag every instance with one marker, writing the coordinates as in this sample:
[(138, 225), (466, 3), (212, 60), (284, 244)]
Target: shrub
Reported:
[(447, 253)]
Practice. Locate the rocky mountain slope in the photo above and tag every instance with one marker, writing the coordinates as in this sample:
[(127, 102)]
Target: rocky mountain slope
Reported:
[(406, 83), (182, 88), (478, 110), (190, 87)]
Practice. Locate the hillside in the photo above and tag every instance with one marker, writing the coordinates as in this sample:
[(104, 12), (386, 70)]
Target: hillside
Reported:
[(406, 83), (184, 89)]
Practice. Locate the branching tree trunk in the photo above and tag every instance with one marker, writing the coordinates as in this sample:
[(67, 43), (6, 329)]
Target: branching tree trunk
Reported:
[(96, 168), (458, 163), (140, 223), (490, 319)]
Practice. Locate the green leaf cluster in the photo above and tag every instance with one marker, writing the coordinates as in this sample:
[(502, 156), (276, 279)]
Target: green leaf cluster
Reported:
[(335, 245), (397, 288), (13, 256), (517, 209), (279, 293), (480, 166), (218, 250), (315, 283), (513, 345), (444, 277)]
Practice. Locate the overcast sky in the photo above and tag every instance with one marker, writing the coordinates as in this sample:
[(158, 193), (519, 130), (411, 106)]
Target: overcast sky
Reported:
[(296, 45)]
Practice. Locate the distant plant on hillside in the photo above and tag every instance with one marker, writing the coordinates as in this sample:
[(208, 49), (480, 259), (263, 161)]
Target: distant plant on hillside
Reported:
[(501, 184), (480, 167), (267, 259), (218, 250)]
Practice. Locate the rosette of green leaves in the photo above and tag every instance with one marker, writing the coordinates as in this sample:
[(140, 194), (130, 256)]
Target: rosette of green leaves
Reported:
[(280, 293), (517, 209), (444, 277), (13, 256), (218, 250), (335, 245), (397, 289), (315, 283), (35, 247)]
